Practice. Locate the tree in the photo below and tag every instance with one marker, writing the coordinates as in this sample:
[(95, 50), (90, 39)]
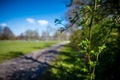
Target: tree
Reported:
[(45, 35), (21, 37), (6, 34), (31, 35), (99, 20), (61, 36)]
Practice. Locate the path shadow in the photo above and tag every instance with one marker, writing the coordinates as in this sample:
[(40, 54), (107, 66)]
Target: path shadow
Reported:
[(32, 73), (16, 53), (41, 47)]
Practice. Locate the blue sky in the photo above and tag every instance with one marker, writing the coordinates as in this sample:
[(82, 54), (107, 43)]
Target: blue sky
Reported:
[(21, 15)]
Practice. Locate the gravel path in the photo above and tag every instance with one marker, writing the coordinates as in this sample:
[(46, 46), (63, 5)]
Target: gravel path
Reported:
[(31, 66)]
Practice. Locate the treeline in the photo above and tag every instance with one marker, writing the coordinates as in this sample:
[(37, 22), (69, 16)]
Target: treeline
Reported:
[(7, 34)]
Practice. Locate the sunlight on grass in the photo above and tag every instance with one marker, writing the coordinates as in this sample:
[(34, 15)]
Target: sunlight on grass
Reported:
[(67, 66), (11, 49)]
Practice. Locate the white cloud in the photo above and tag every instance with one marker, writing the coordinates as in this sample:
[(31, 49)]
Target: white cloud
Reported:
[(3, 24), (43, 22), (30, 20)]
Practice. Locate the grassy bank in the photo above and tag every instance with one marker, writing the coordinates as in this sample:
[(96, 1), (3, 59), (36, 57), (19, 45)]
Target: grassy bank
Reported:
[(12, 49), (67, 66)]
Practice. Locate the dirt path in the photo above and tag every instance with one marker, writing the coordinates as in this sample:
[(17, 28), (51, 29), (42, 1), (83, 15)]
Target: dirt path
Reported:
[(31, 66)]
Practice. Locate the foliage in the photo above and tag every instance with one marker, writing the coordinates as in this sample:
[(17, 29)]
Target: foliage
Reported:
[(75, 39), (99, 20), (91, 57), (109, 65)]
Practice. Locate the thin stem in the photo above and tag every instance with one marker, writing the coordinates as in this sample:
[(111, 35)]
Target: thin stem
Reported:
[(107, 35), (90, 30), (97, 57), (95, 5)]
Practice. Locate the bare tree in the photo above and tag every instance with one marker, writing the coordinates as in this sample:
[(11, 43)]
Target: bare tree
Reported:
[(31, 35)]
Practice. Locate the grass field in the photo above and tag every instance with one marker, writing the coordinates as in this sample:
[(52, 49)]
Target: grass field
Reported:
[(12, 49)]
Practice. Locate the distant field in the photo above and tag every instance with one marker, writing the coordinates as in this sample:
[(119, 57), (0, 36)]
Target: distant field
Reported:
[(12, 49)]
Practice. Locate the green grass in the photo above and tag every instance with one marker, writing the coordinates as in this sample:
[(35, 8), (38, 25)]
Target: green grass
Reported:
[(67, 66), (12, 49)]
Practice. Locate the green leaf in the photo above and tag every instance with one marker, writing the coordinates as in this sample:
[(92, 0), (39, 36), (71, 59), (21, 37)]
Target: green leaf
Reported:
[(92, 63), (83, 51), (78, 59), (89, 8), (84, 70), (93, 52), (99, 1), (101, 48)]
